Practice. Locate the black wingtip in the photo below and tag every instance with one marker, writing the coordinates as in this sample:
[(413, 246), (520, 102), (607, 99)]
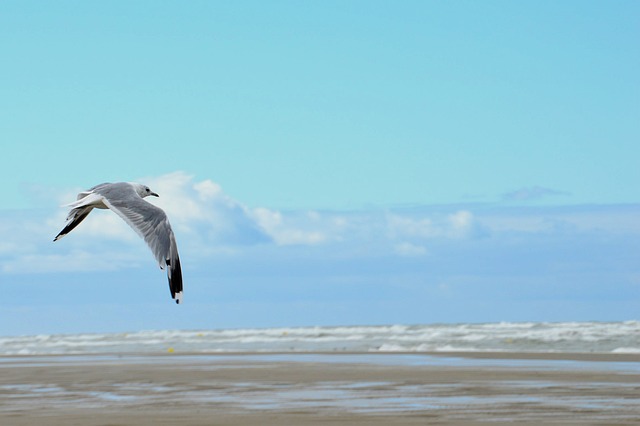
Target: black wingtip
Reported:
[(174, 272), (78, 217)]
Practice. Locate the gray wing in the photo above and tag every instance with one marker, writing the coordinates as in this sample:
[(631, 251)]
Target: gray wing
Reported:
[(151, 223)]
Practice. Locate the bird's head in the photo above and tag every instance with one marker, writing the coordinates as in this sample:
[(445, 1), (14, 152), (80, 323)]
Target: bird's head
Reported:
[(144, 190)]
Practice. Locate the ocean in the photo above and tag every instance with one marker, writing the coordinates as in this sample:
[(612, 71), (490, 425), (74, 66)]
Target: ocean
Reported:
[(567, 337)]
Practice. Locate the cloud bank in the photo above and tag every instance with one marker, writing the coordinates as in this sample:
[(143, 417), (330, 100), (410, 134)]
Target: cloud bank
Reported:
[(210, 223)]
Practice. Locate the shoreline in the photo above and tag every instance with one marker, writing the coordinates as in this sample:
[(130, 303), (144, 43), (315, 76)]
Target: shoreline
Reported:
[(497, 355), (310, 388)]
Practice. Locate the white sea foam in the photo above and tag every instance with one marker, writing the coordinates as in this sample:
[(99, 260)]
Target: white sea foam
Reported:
[(618, 337), (626, 351)]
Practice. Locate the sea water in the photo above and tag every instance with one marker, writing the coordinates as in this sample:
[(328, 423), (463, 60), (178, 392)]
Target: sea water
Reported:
[(584, 337)]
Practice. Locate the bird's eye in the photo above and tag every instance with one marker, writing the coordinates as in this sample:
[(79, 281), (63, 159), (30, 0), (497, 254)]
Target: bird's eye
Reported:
[(148, 190)]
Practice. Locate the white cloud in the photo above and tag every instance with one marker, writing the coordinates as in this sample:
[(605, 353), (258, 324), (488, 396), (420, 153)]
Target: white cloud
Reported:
[(460, 224), (207, 189), (267, 219), (403, 226), (284, 233), (409, 249)]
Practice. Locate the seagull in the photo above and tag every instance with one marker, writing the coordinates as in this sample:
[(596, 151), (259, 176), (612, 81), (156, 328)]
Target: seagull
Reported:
[(150, 222)]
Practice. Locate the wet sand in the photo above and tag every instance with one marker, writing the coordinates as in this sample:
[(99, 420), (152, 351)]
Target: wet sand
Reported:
[(313, 389)]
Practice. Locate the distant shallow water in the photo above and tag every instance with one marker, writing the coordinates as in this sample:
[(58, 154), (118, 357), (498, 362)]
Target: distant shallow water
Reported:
[(220, 360)]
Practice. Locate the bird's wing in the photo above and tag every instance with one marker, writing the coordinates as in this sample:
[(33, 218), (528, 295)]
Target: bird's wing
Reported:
[(151, 223)]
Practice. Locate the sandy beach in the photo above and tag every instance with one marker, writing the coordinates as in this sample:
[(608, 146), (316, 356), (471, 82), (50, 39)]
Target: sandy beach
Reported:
[(313, 389)]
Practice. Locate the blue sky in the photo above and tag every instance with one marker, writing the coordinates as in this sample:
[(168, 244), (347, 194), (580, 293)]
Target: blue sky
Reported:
[(323, 162)]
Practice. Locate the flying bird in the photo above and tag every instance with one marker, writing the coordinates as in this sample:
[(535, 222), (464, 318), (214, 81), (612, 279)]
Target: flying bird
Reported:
[(150, 222)]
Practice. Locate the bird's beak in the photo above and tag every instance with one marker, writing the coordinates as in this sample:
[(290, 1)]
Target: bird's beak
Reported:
[(154, 194)]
